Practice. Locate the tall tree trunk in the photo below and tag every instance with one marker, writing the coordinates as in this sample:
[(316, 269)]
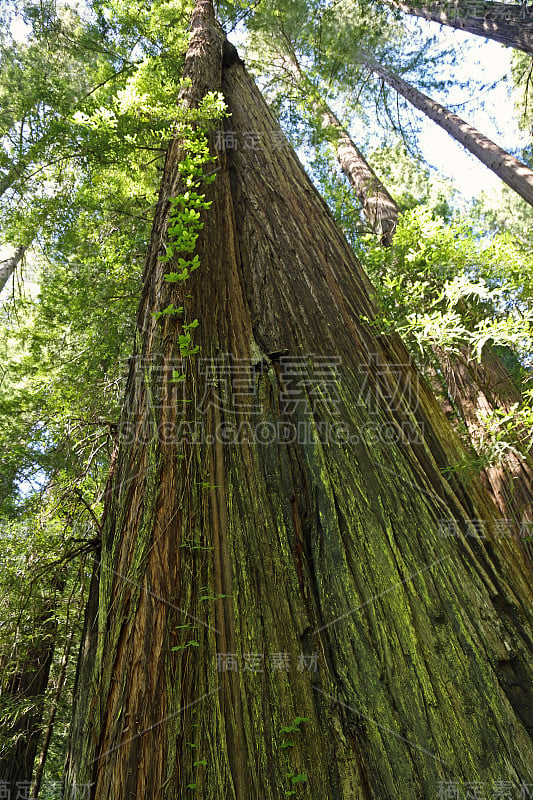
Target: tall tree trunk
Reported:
[(474, 388), (8, 267), (508, 24), (378, 206), (303, 550), (515, 174), (26, 687)]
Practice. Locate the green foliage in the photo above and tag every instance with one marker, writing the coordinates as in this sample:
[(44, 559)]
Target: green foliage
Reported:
[(294, 779), (438, 285), (507, 214), (87, 107), (410, 182), (442, 286), (184, 223), (295, 726), (508, 431), (521, 73)]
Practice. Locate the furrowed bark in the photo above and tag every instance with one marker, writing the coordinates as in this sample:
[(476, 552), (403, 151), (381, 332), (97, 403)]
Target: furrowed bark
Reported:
[(318, 547), (475, 389), (509, 24), (515, 174)]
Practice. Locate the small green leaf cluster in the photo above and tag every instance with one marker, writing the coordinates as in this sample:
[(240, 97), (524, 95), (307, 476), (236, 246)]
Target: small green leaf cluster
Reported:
[(191, 643), (180, 647), (171, 309), (287, 730), (294, 779), (184, 220), (184, 224)]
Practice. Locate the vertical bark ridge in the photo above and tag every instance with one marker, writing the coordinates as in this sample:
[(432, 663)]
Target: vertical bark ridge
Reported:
[(326, 547)]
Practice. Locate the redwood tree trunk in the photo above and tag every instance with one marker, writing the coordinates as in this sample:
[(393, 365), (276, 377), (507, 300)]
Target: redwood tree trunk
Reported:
[(377, 204), (8, 267), (477, 389), (515, 174), (301, 550), (508, 24), (26, 686)]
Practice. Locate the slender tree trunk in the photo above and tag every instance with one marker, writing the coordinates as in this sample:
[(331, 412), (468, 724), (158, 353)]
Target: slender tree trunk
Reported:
[(378, 206), (505, 166), (26, 686), (8, 267), (511, 25), (302, 551), (45, 745)]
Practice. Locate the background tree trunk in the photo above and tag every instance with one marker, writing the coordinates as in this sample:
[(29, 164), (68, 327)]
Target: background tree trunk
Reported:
[(378, 206), (52, 714), (321, 549), (8, 267), (26, 686), (505, 166), (511, 25)]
